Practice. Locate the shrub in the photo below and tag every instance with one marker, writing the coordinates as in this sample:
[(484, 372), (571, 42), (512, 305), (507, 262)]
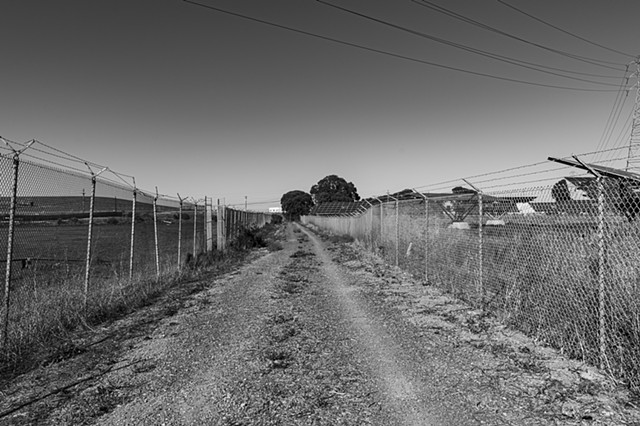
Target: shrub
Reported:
[(248, 238), (185, 216)]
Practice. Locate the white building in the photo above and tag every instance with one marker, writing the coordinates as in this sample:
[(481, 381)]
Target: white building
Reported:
[(275, 209)]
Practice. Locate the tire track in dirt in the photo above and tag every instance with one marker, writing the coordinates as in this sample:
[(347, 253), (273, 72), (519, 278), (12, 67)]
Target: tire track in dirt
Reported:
[(201, 359), (401, 393), (313, 334)]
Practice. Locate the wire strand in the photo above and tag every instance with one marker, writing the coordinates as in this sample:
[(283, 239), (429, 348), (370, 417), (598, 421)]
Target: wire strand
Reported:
[(392, 54), (435, 7), (484, 53), (504, 3)]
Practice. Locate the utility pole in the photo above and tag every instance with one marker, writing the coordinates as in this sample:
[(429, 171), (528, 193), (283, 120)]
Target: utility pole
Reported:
[(633, 156)]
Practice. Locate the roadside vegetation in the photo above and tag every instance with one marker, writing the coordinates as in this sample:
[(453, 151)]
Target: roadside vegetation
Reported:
[(46, 316), (331, 188)]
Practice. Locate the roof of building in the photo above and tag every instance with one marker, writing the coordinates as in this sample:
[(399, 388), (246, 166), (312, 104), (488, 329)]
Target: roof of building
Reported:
[(338, 208)]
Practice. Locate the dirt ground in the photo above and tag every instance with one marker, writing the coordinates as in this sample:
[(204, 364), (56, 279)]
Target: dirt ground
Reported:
[(319, 333)]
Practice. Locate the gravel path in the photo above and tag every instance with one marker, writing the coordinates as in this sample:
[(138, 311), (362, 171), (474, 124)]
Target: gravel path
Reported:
[(321, 333)]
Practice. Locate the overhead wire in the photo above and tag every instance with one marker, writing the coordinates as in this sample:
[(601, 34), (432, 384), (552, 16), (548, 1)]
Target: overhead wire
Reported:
[(448, 12), (614, 114), (502, 58), (391, 54), (614, 124), (626, 127), (504, 3)]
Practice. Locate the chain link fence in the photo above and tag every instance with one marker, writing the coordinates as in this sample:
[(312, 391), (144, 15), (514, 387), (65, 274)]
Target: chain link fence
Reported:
[(551, 250), (79, 239)]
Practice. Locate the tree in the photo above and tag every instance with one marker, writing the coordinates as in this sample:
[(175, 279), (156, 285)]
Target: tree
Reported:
[(334, 188), (295, 204), (463, 190), (560, 191)]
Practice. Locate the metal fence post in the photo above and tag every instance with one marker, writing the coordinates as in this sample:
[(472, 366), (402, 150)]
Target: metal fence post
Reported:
[(195, 228), (370, 224), (225, 227), (219, 226), (208, 213), (601, 271), (397, 242), (480, 282), (87, 272), (155, 231), (381, 224), (180, 233), (426, 240), (426, 236), (133, 232), (397, 231), (601, 263), (12, 214), (10, 235), (480, 249)]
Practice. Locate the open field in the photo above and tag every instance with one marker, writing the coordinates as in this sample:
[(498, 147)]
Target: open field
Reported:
[(51, 247)]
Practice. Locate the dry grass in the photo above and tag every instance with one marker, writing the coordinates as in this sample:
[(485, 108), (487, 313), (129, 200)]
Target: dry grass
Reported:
[(47, 306), (539, 275)]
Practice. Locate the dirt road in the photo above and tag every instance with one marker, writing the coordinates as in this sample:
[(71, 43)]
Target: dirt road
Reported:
[(322, 334)]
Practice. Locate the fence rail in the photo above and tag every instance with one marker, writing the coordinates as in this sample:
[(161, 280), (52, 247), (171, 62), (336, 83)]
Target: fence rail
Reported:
[(83, 237), (552, 252)]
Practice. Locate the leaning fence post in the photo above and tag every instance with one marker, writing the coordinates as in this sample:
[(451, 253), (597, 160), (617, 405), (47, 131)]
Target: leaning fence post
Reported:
[(12, 215), (155, 232), (87, 271), (133, 231)]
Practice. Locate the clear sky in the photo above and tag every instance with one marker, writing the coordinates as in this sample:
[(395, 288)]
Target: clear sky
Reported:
[(196, 101)]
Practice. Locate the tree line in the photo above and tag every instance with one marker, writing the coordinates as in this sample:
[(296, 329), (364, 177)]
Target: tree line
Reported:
[(331, 188)]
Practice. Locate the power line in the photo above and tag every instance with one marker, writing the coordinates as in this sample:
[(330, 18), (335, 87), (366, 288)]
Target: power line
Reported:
[(391, 54), (614, 115), (448, 12), (504, 3), (483, 53)]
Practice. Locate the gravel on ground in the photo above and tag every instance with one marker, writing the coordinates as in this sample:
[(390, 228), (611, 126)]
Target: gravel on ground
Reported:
[(319, 333)]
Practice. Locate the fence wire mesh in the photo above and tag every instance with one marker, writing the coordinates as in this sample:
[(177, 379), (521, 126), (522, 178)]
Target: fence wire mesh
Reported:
[(549, 249), (77, 237)]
